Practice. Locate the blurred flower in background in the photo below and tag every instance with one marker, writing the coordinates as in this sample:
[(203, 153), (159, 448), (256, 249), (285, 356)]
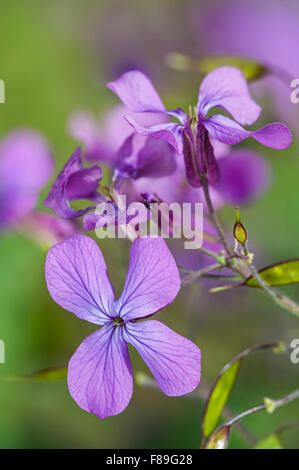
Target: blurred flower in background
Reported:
[(26, 166), (264, 31), (143, 33)]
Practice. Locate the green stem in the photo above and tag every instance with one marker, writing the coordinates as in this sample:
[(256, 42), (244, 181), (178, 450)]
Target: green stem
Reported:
[(276, 403), (245, 270)]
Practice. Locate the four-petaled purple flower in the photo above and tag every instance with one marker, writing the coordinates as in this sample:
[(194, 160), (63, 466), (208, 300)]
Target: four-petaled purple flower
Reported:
[(224, 88), (100, 376)]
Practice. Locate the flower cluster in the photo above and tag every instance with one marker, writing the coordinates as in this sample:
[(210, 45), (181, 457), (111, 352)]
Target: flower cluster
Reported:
[(154, 154)]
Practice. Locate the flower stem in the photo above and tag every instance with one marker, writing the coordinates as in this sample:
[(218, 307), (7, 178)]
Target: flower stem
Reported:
[(193, 275), (205, 186), (245, 270), (276, 403)]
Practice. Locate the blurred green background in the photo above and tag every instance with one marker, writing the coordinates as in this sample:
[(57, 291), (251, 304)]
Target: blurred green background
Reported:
[(55, 57)]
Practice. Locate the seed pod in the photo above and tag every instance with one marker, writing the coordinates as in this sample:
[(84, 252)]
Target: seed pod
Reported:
[(240, 233)]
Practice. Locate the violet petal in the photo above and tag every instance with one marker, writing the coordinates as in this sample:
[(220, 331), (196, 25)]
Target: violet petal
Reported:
[(152, 281), (174, 361), (76, 276)]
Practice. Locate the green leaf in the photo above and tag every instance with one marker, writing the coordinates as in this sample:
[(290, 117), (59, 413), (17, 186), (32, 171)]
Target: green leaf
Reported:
[(218, 397), (270, 442), (252, 70), (219, 439), (278, 274), (45, 375)]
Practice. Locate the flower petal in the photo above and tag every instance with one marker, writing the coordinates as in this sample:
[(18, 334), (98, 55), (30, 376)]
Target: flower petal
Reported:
[(155, 159), (141, 157), (100, 376), (137, 92), (76, 276), (83, 184), (275, 135), (226, 87), (152, 281), (171, 132), (174, 361), (74, 182)]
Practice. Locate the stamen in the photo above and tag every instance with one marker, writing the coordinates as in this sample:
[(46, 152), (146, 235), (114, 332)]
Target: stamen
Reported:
[(118, 321)]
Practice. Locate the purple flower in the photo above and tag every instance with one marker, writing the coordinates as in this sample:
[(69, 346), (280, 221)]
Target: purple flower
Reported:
[(141, 157), (264, 31), (100, 376), (225, 88), (25, 167), (101, 138), (244, 176), (47, 229), (115, 143), (74, 182)]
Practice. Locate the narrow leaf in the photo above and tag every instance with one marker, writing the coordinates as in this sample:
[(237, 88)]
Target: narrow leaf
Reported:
[(45, 375), (278, 274), (251, 69), (270, 442), (219, 439), (218, 397)]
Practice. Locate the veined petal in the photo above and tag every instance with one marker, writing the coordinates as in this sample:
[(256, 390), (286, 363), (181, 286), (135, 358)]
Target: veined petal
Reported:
[(152, 281), (275, 135), (174, 361), (76, 276), (171, 132), (100, 376), (226, 87), (137, 92), (225, 130)]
